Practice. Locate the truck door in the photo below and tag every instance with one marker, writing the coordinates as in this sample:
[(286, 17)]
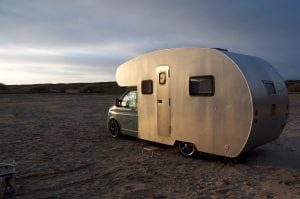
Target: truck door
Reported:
[(163, 101), (127, 114)]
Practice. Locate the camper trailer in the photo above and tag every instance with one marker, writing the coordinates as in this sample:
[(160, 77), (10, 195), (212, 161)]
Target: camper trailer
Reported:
[(207, 100)]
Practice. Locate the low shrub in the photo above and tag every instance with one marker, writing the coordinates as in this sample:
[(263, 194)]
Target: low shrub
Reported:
[(39, 89), (90, 89)]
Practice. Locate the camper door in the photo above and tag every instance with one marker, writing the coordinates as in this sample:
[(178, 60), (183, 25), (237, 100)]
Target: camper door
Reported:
[(163, 101)]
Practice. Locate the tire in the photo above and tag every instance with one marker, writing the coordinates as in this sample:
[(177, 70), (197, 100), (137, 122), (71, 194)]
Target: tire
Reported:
[(187, 149), (114, 128)]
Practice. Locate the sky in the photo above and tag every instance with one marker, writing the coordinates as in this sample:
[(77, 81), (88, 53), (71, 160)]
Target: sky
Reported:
[(64, 41)]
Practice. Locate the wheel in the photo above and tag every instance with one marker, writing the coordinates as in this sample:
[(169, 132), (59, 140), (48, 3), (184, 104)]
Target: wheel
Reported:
[(187, 149), (114, 128)]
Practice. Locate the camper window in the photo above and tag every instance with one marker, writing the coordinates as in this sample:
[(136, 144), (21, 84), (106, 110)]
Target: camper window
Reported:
[(269, 85), (201, 86), (162, 78), (147, 87)]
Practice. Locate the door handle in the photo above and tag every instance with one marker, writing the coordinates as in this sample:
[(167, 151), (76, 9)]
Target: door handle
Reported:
[(159, 101)]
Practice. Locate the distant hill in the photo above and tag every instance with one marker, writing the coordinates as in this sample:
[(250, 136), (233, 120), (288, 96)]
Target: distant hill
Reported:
[(293, 86), (101, 87), (97, 87)]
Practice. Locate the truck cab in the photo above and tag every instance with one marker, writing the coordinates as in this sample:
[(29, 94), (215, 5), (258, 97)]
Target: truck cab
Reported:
[(123, 115)]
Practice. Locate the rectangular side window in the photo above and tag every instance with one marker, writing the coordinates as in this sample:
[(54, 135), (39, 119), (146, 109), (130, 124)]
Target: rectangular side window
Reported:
[(202, 86), (269, 85), (147, 87)]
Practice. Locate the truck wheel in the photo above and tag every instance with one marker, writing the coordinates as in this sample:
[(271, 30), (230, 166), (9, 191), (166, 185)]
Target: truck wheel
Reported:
[(187, 149), (114, 128)]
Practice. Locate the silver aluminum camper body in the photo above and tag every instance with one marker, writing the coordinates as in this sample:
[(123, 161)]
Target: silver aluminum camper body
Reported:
[(246, 107)]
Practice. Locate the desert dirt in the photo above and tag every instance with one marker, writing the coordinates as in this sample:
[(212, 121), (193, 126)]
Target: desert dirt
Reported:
[(62, 149)]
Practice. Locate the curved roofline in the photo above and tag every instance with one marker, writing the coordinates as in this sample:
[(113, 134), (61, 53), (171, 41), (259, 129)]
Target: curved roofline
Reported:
[(171, 49)]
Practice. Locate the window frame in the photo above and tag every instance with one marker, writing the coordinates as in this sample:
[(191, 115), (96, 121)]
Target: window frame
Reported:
[(202, 94), (151, 88), (125, 95), (164, 75), (265, 82)]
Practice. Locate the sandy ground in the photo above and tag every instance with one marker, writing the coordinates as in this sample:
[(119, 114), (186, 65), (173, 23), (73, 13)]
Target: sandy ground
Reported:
[(63, 150)]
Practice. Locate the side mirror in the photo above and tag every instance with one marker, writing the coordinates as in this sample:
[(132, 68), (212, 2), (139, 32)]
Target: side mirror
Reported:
[(118, 102)]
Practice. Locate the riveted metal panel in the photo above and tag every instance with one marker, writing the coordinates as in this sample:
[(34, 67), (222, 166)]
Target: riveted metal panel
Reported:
[(222, 123)]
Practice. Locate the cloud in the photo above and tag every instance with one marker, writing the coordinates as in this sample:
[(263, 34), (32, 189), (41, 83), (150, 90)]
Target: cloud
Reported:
[(89, 37)]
